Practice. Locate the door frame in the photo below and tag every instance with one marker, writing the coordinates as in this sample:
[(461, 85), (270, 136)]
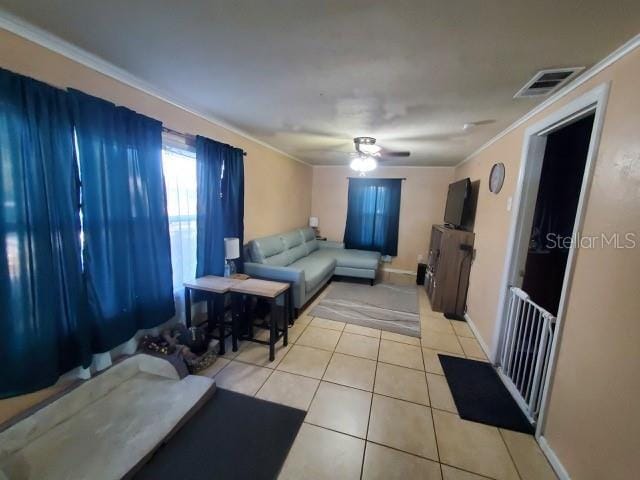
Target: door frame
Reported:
[(532, 156)]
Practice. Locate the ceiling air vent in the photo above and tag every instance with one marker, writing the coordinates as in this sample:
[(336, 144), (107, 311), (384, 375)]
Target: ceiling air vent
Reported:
[(547, 81)]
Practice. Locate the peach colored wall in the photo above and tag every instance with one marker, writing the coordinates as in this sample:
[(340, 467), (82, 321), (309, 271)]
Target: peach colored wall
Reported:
[(277, 188), (593, 423), (423, 198)]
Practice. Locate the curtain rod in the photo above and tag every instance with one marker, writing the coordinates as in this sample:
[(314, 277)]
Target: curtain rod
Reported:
[(189, 138), (375, 178)]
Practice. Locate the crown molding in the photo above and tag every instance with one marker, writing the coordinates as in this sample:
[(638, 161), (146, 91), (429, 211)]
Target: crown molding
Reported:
[(56, 44), (610, 59), (450, 167)]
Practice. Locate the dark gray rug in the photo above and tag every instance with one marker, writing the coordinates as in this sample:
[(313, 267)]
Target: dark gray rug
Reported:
[(480, 395), (232, 436), (393, 308)]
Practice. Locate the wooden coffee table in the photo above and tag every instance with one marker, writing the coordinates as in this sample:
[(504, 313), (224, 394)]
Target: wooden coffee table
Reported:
[(269, 291), (213, 287)]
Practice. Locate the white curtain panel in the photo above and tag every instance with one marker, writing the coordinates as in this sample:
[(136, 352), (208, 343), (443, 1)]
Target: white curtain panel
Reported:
[(180, 179)]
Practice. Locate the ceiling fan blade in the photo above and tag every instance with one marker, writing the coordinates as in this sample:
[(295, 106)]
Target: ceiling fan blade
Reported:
[(388, 153)]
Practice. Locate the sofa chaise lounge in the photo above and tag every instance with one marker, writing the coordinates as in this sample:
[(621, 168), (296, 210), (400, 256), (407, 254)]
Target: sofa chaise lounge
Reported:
[(308, 264)]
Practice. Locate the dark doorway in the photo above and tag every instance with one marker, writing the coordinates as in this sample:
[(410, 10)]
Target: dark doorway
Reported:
[(555, 212)]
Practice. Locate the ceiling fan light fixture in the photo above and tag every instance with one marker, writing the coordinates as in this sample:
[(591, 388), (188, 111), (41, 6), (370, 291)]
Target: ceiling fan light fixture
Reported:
[(363, 164), (370, 149)]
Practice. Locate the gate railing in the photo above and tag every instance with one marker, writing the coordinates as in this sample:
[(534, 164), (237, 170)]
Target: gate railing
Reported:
[(526, 348)]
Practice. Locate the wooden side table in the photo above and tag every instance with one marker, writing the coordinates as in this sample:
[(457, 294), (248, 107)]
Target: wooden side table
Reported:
[(269, 291), (212, 286)]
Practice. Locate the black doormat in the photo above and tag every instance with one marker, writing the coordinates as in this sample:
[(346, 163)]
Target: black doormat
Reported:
[(232, 436), (480, 395)]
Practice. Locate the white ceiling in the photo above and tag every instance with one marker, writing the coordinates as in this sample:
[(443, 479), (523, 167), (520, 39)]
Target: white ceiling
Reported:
[(306, 76)]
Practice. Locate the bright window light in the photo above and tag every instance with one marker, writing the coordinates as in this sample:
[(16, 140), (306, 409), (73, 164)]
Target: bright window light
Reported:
[(179, 167)]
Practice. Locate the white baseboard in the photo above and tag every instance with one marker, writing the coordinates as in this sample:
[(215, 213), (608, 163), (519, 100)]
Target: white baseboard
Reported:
[(553, 459), (476, 332)]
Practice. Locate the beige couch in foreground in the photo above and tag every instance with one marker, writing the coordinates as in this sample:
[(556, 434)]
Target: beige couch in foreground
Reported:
[(104, 428)]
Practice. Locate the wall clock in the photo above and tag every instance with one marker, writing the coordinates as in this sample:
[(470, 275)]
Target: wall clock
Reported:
[(496, 178)]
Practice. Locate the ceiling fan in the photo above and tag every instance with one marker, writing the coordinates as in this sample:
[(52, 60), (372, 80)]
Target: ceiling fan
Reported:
[(368, 154)]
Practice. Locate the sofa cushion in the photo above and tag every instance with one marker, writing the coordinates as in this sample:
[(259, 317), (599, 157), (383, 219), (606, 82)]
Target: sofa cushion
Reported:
[(307, 234), (357, 258), (311, 246), (296, 253), (291, 239), (351, 258), (269, 250), (309, 240), (316, 268), (278, 260), (294, 248)]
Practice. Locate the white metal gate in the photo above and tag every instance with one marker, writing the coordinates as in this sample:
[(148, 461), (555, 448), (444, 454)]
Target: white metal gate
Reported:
[(526, 348)]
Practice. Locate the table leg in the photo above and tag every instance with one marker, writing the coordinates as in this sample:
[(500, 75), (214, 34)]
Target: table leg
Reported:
[(187, 306), (220, 315), (286, 317), (211, 314), (292, 317), (236, 309), (273, 330), (249, 315)]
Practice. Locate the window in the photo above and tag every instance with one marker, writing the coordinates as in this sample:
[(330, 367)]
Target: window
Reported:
[(373, 215), (179, 165)]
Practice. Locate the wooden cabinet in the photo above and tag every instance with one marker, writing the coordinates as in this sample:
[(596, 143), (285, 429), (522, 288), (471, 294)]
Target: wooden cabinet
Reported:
[(448, 267)]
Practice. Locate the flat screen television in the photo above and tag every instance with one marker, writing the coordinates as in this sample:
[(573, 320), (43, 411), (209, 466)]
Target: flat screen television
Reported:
[(457, 203)]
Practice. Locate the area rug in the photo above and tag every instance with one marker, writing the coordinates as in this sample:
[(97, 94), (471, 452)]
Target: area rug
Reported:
[(480, 395), (393, 308), (231, 436)]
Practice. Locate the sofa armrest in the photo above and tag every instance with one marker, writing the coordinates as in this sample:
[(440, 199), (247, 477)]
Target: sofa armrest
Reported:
[(273, 272), (295, 276), (330, 244)]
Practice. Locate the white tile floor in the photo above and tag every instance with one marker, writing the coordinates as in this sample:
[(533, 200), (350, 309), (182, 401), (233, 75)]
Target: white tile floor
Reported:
[(378, 405)]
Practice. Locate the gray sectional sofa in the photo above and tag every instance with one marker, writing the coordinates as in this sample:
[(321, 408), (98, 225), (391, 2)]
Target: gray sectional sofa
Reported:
[(307, 263)]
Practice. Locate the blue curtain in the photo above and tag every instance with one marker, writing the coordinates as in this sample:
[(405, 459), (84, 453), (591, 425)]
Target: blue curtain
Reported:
[(220, 187), (127, 250), (209, 223), (373, 215), (233, 198), (43, 318)]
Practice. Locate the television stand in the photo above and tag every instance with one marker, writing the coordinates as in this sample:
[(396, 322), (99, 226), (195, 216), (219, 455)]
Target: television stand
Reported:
[(448, 268)]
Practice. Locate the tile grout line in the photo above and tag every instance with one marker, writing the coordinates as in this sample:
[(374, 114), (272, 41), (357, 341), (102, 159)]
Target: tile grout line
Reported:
[(399, 450), (513, 460), (481, 475), (371, 392), (254, 365), (370, 412), (366, 433), (433, 423), (320, 380), (315, 391)]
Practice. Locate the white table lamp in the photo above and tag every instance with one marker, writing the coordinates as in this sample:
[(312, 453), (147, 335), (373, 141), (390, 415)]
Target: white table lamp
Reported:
[(313, 222), (231, 252)]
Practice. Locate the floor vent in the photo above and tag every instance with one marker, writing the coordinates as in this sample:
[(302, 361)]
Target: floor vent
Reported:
[(547, 81)]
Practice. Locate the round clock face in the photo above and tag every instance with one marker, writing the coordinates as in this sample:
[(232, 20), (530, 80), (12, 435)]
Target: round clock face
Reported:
[(496, 179)]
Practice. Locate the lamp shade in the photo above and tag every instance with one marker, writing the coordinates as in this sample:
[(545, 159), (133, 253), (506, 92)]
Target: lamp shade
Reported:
[(313, 222), (231, 248)]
